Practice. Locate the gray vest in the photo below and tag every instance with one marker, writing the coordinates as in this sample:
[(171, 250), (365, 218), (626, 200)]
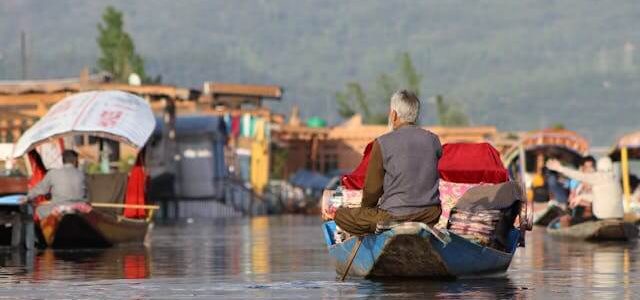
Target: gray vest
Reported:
[(410, 159)]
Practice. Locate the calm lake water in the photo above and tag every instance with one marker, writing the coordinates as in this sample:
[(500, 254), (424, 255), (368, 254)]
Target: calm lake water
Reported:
[(285, 257)]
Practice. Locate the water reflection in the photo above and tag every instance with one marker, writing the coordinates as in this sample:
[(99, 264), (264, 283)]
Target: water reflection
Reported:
[(285, 257), (577, 269)]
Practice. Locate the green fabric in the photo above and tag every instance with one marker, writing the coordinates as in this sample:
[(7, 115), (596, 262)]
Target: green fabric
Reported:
[(316, 122), (107, 188)]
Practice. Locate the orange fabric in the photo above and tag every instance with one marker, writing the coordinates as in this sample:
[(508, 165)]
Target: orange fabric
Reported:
[(38, 172), (136, 189)]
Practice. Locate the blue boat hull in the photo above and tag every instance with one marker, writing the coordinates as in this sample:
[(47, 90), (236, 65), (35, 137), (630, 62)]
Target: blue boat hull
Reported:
[(417, 254)]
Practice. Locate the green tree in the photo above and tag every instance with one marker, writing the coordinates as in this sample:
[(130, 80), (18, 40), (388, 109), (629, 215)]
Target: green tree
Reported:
[(409, 73), (118, 53), (450, 114), (373, 105)]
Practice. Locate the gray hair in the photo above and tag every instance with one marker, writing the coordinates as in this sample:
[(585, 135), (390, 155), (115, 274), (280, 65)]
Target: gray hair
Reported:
[(406, 104)]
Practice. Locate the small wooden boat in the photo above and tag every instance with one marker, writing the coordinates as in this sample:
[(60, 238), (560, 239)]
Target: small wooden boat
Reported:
[(414, 250), (79, 225), (119, 117), (601, 230), (565, 145)]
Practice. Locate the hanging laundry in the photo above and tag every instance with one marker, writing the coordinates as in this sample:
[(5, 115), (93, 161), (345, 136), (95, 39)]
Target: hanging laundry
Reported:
[(245, 126), (259, 158), (227, 122), (235, 126), (252, 130)]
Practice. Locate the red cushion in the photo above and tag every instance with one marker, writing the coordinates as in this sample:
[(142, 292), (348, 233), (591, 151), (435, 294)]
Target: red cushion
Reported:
[(471, 163)]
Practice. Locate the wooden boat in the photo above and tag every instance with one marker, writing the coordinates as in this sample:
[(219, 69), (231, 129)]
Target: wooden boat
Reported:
[(414, 250), (80, 225), (601, 230), (547, 215), (108, 115), (567, 146)]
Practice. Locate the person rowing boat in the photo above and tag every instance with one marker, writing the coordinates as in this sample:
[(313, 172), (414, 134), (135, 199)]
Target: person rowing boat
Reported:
[(64, 185), (607, 196), (402, 177)]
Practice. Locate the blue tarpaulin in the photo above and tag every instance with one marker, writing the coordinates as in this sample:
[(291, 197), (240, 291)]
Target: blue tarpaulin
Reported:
[(11, 199), (309, 179)]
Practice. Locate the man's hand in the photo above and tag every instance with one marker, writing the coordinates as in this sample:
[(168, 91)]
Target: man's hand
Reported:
[(553, 164)]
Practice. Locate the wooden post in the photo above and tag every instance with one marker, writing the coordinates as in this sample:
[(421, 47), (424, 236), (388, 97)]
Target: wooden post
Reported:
[(626, 187)]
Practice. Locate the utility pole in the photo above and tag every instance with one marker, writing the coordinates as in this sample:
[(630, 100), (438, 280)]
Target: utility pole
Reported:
[(23, 54)]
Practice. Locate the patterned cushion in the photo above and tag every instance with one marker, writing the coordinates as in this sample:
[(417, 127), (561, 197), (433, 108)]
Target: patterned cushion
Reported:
[(450, 193)]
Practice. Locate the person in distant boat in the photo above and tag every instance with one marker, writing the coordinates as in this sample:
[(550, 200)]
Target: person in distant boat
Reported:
[(401, 183), (606, 202), (581, 193), (63, 184), (558, 186)]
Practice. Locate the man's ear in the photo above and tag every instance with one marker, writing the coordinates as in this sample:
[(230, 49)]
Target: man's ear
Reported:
[(394, 116)]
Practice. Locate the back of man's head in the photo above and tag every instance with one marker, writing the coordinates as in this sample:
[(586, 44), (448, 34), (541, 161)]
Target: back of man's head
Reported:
[(588, 159), (69, 157), (406, 104)]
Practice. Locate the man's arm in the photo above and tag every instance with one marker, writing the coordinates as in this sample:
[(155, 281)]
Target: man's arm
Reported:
[(590, 178), (42, 188), (374, 178), (438, 146)]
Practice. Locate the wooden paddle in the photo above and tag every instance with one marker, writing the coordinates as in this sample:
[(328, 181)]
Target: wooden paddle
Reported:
[(120, 205), (352, 257)]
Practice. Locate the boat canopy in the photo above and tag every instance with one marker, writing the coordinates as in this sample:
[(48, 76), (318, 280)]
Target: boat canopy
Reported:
[(116, 115), (629, 141), (567, 144)]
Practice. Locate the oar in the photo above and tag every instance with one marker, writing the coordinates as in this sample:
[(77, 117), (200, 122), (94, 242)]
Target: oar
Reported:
[(352, 257), (120, 205)]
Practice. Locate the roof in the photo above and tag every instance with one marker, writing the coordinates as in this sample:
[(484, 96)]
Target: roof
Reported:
[(99, 81), (556, 137), (243, 90), (572, 144), (631, 141), (17, 87), (117, 115)]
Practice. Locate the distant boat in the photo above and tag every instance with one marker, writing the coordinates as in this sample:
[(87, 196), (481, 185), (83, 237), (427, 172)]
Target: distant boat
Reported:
[(547, 215), (601, 230), (80, 225), (114, 115), (411, 250)]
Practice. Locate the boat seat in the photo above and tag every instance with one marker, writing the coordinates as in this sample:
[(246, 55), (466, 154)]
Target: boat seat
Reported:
[(412, 228), (107, 188)]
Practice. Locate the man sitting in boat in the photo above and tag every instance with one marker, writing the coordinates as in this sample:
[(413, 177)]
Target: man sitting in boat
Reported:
[(401, 182), (606, 201), (66, 184)]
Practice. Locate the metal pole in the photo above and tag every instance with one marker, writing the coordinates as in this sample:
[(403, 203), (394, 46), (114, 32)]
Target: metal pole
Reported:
[(23, 54)]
